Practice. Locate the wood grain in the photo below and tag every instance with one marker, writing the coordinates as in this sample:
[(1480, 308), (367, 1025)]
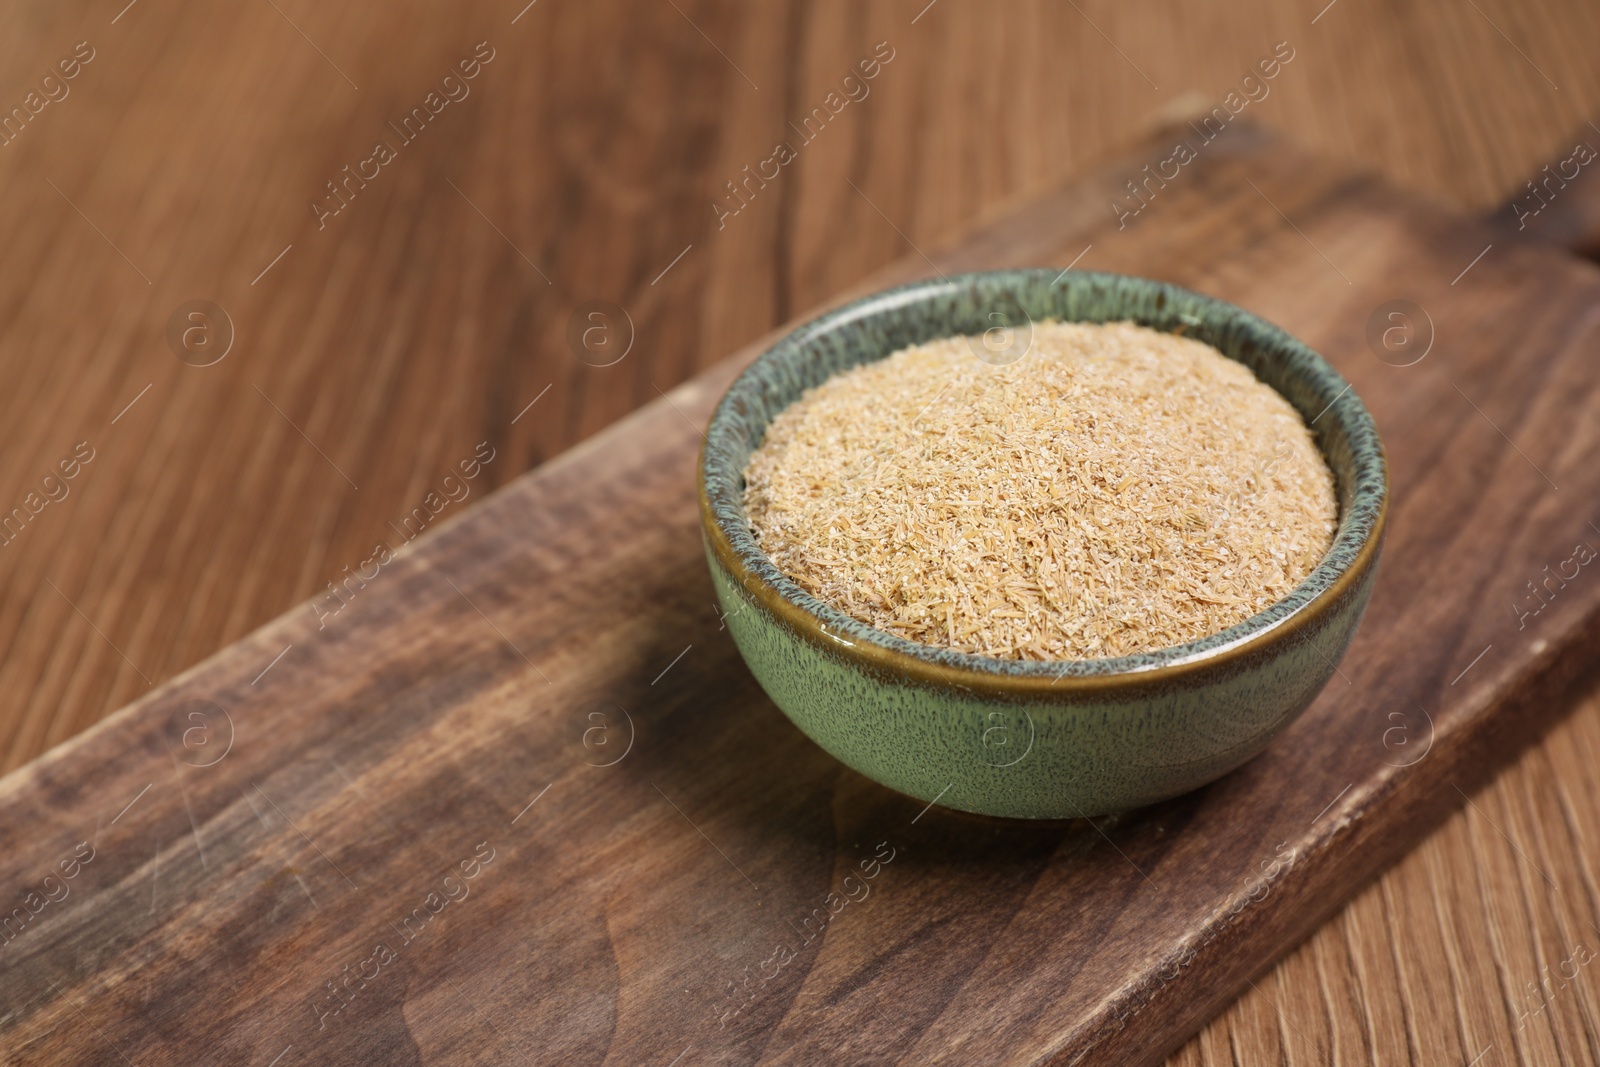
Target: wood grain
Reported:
[(1461, 937), (1559, 203), (599, 135), (457, 694)]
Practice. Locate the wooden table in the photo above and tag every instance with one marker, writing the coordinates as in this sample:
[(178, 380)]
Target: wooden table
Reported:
[(431, 310)]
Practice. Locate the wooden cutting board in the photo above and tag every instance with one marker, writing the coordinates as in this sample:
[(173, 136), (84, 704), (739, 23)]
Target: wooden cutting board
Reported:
[(512, 796)]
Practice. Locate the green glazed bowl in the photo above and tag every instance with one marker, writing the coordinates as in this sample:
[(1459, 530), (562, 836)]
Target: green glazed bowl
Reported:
[(1026, 738)]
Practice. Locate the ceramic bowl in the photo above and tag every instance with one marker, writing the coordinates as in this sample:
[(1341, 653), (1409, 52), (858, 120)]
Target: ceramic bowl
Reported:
[(1033, 739)]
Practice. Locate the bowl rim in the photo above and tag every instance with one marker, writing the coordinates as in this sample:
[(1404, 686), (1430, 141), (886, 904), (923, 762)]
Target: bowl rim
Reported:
[(825, 626)]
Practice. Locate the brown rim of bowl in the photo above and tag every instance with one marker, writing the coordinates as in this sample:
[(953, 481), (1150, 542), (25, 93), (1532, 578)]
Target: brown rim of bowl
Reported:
[(893, 662), (896, 663)]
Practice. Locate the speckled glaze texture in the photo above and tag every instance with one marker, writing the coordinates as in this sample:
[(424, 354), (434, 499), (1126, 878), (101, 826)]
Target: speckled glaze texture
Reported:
[(1021, 738)]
